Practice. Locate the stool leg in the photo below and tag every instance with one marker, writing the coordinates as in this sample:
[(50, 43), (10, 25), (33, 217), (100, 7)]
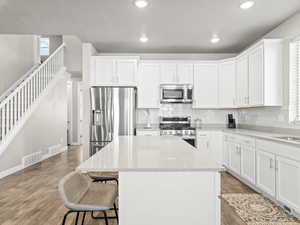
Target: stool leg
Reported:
[(77, 216), (83, 218), (65, 217), (116, 211), (105, 217)]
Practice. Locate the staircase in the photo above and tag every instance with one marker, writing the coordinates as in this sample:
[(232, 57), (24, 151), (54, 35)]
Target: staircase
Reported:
[(17, 105)]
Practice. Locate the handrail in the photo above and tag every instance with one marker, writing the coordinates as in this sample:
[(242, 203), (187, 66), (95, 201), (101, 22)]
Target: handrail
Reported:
[(15, 107)]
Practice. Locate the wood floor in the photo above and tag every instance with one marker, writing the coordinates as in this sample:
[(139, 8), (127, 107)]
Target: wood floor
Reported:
[(30, 197)]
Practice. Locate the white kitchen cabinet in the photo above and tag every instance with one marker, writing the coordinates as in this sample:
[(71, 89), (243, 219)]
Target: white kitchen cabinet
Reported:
[(205, 85), (248, 162), (288, 182), (242, 89), (203, 141), (234, 157), (185, 73), (265, 167), (227, 84), (226, 146), (148, 85), (256, 77), (168, 73), (106, 70)]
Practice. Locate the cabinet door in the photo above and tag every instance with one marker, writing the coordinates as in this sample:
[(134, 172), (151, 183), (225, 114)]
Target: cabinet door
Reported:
[(203, 142), (216, 146), (234, 157), (148, 85), (227, 84), (205, 85), (168, 73), (104, 71), (126, 71), (185, 73), (226, 146), (265, 167), (288, 182), (242, 95), (248, 163), (256, 77)]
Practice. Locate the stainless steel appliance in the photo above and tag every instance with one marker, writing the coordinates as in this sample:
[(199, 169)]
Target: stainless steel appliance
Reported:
[(178, 126), (113, 113), (176, 93)]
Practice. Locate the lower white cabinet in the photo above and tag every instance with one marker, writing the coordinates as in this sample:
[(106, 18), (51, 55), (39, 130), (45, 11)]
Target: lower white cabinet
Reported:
[(248, 163), (288, 182), (265, 164), (235, 157)]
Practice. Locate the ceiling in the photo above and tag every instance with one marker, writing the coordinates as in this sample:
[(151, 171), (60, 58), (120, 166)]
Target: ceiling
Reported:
[(173, 26)]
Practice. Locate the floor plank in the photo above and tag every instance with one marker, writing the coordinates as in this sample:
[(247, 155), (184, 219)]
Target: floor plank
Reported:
[(30, 197)]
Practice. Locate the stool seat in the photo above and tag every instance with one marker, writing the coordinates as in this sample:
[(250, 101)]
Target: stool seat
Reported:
[(96, 175)]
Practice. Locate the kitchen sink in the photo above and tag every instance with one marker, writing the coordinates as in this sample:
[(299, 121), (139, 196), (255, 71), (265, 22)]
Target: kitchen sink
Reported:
[(290, 138)]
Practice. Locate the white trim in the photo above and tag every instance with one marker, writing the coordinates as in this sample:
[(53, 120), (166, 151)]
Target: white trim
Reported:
[(10, 171), (20, 167)]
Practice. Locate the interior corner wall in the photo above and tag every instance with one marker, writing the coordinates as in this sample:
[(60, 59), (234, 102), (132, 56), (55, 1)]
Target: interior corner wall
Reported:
[(55, 41), (276, 116), (46, 127), (17, 56)]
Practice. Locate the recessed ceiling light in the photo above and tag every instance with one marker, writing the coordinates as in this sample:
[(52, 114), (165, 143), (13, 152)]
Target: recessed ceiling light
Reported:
[(247, 4), (141, 3), (215, 39), (144, 38)]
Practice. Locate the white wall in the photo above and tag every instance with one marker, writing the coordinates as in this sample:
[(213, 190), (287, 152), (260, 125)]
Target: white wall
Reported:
[(17, 55), (46, 127), (278, 117), (73, 53)]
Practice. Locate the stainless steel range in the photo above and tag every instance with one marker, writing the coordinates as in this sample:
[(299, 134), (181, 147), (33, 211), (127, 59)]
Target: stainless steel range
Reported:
[(178, 126)]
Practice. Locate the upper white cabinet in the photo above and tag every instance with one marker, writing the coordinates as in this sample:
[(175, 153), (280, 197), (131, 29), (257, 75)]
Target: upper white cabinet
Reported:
[(106, 70), (148, 80), (206, 85), (227, 84), (242, 90), (185, 72), (168, 73)]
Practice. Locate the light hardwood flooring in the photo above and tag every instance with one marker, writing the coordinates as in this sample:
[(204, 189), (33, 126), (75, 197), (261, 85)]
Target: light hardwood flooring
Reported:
[(30, 197)]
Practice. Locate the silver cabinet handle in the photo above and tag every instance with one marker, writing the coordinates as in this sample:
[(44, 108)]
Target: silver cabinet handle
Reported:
[(271, 163)]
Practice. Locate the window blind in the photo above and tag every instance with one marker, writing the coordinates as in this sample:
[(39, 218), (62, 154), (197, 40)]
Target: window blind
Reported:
[(295, 81)]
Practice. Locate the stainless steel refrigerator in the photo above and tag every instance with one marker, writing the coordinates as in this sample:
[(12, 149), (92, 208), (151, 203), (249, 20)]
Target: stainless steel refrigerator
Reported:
[(113, 113)]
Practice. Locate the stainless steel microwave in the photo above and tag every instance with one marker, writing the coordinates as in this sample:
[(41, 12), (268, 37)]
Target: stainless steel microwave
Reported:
[(176, 93)]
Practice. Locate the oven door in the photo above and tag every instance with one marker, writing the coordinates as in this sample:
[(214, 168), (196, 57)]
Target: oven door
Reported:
[(172, 95), (191, 141)]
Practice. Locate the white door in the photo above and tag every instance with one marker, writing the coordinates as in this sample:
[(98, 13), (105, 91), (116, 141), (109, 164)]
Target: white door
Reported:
[(256, 77), (126, 71), (203, 142), (185, 73), (242, 95), (148, 85), (248, 163), (168, 73), (104, 72), (234, 157), (206, 85), (288, 182), (265, 167), (227, 84)]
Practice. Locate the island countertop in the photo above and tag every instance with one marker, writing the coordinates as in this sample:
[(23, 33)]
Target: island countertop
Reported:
[(149, 153)]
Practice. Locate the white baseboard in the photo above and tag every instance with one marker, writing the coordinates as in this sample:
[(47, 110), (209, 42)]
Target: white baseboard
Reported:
[(10, 171), (20, 167)]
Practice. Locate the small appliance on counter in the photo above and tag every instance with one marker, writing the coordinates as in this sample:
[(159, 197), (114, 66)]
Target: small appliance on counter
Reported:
[(231, 122)]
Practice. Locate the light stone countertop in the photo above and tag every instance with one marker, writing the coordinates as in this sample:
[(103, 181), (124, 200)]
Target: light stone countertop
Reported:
[(150, 153)]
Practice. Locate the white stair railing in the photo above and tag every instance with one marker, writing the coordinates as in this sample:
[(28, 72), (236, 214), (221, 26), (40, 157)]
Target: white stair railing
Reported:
[(15, 106)]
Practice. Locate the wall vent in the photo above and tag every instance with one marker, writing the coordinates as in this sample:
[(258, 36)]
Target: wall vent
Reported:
[(32, 159)]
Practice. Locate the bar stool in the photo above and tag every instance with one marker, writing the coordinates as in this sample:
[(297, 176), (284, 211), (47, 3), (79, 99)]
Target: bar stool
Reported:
[(81, 195)]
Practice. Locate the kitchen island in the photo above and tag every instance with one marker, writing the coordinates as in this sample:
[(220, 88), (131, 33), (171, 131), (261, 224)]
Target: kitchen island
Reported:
[(162, 180)]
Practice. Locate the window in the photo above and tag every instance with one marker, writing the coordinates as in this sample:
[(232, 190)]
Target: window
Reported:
[(295, 81), (44, 46)]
